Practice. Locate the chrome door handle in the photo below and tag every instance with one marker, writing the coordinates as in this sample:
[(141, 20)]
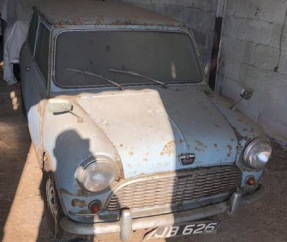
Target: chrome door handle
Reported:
[(28, 68)]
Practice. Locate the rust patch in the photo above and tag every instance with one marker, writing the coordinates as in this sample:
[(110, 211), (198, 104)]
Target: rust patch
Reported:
[(76, 20), (79, 203), (79, 192), (199, 146), (238, 135), (169, 148), (181, 140), (121, 145), (215, 145), (99, 20), (131, 153), (229, 150)]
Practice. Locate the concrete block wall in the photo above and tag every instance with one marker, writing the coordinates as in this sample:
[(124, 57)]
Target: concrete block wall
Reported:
[(254, 54), (198, 14)]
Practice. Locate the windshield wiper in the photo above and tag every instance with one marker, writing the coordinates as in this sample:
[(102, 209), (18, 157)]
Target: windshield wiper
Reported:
[(96, 75), (132, 73)]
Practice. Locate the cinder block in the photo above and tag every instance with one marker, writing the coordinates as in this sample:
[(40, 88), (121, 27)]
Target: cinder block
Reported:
[(275, 99), (235, 27), (229, 8), (284, 37), (280, 106), (266, 57), (277, 30), (258, 31), (282, 67), (271, 11), (275, 77), (266, 10), (253, 77), (236, 49), (232, 69), (245, 8)]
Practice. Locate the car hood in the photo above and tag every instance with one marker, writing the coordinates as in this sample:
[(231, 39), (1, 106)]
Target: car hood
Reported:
[(150, 128)]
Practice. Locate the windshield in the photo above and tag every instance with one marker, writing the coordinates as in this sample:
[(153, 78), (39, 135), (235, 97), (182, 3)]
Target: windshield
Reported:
[(167, 57)]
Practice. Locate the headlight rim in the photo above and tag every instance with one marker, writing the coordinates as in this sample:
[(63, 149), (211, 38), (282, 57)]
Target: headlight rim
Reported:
[(248, 148), (101, 159)]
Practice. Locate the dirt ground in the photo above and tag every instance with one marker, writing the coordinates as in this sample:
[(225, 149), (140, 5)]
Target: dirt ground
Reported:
[(22, 215)]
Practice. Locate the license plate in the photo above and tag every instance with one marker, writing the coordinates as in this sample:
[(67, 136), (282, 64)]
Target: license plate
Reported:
[(183, 229)]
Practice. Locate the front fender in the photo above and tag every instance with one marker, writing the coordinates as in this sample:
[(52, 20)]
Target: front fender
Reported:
[(68, 143), (245, 130)]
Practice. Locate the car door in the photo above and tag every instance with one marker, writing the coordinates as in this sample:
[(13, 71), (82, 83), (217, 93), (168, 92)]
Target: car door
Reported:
[(34, 72)]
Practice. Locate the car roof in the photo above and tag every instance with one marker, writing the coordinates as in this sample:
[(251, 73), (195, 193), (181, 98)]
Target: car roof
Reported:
[(91, 12)]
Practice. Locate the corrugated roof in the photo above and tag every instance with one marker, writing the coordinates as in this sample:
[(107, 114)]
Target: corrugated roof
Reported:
[(82, 12)]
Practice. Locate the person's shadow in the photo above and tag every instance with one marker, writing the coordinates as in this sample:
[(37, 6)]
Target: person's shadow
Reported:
[(69, 147)]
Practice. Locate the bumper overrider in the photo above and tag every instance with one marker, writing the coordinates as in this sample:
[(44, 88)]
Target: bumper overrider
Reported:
[(126, 224)]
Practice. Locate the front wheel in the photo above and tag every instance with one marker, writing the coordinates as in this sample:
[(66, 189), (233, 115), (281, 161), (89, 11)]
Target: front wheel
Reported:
[(55, 212)]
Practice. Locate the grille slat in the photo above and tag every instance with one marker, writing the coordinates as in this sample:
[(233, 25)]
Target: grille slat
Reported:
[(157, 190)]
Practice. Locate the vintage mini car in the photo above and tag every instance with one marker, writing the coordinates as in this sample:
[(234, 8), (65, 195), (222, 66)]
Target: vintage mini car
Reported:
[(127, 131)]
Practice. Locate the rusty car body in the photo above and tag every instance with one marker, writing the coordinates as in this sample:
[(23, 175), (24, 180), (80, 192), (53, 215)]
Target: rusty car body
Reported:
[(125, 125)]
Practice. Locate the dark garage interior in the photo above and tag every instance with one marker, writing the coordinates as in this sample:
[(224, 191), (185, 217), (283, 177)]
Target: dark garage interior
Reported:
[(241, 44)]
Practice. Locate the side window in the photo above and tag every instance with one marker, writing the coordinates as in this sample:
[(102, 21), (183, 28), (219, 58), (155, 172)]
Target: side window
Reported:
[(32, 32), (42, 50)]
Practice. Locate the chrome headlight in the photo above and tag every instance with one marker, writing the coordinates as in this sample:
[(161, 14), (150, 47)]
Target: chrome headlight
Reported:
[(257, 153), (97, 174)]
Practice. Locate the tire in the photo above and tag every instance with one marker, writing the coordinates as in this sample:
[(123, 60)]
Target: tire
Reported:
[(53, 206)]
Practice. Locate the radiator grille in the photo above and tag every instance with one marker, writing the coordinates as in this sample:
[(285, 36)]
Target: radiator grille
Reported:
[(168, 189)]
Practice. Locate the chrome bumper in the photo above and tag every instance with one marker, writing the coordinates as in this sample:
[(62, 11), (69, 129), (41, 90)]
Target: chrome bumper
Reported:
[(126, 224)]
